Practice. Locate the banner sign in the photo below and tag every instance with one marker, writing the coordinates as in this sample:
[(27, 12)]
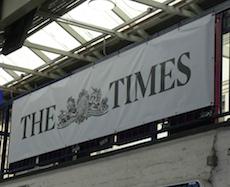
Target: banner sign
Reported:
[(166, 76)]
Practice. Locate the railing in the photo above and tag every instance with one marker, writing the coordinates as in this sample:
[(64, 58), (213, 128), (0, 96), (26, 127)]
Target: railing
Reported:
[(147, 134)]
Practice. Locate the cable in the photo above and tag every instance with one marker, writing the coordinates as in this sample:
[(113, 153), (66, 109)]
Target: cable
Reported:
[(104, 47)]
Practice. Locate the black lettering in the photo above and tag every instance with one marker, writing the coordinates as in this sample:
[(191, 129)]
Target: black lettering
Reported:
[(50, 117), (144, 87), (184, 69), (25, 125), (164, 75), (116, 91), (128, 89), (39, 122)]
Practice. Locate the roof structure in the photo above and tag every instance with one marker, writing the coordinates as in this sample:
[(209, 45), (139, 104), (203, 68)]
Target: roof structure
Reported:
[(66, 35)]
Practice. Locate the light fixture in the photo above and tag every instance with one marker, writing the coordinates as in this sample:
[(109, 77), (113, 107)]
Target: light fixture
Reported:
[(101, 4)]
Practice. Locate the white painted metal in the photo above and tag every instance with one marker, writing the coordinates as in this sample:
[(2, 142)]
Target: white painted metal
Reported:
[(25, 70), (166, 8), (58, 51)]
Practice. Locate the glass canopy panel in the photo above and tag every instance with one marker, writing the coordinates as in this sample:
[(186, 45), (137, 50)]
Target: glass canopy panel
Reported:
[(84, 13), (55, 37), (4, 77), (19, 73), (85, 33), (131, 8), (24, 58)]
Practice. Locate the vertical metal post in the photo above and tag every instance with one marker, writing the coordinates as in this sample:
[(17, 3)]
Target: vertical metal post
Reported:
[(226, 30), (2, 128), (228, 61), (6, 118), (218, 64)]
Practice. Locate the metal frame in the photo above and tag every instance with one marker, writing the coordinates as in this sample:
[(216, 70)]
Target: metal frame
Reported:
[(5, 125), (166, 8), (59, 164), (137, 36), (218, 64)]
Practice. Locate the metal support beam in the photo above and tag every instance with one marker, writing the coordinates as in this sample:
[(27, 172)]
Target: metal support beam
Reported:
[(121, 14), (143, 33), (196, 8), (61, 72), (76, 23), (27, 87), (11, 73), (58, 51), (25, 70), (45, 59), (98, 54), (166, 8), (100, 29), (129, 37), (11, 89), (91, 27), (41, 55), (126, 18), (72, 32), (85, 26)]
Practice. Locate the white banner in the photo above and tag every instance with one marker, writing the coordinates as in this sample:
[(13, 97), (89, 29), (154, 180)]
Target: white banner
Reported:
[(165, 76)]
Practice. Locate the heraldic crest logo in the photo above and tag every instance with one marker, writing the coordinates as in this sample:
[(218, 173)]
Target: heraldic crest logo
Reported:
[(87, 105)]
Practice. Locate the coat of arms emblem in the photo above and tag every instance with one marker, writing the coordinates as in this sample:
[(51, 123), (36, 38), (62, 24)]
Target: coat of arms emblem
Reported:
[(87, 105)]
